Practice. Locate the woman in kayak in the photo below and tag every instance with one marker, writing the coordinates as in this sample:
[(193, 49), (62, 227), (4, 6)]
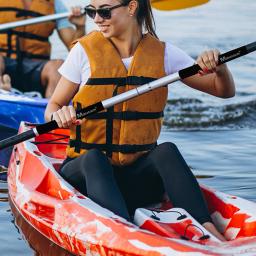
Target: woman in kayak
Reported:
[(112, 156)]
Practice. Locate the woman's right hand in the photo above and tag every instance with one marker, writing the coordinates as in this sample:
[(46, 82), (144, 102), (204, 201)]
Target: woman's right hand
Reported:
[(66, 117)]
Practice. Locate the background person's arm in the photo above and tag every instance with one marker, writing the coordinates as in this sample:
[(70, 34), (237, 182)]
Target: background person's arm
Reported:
[(5, 80), (72, 28)]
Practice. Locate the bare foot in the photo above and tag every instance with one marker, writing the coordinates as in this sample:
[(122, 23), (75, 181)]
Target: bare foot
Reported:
[(212, 229), (5, 82)]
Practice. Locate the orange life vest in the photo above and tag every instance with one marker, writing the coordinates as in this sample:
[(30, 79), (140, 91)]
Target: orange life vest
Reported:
[(27, 41), (129, 129)]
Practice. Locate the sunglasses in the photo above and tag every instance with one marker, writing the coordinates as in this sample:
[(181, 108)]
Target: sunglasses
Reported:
[(104, 13)]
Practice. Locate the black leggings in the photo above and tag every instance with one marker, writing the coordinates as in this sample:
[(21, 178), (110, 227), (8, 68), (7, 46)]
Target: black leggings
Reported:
[(123, 189)]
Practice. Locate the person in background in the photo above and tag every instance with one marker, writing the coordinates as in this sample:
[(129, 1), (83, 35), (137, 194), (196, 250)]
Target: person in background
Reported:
[(113, 156), (25, 51)]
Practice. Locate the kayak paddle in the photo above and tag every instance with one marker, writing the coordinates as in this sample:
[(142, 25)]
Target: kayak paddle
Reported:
[(163, 5), (27, 22), (171, 5), (99, 106)]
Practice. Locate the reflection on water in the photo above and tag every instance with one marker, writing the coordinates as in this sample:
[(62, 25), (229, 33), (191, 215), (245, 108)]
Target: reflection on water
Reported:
[(3, 192), (3, 173)]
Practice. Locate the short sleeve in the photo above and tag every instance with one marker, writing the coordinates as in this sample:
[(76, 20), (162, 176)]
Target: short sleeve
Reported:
[(76, 67), (176, 59), (60, 8)]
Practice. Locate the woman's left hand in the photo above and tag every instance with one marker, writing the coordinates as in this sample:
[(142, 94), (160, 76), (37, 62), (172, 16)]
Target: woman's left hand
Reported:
[(208, 61), (77, 17)]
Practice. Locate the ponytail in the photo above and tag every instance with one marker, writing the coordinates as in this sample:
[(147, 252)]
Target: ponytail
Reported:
[(145, 16)]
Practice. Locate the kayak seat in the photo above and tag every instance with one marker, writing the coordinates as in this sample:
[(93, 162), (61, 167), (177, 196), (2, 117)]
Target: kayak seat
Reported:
[(53, 144), (56, 151)]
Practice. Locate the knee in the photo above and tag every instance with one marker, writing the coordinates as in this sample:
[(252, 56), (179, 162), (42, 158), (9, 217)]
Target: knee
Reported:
[(167, 147), (1, 58), (93, 158), (2, 65), (93, 154), (96, 165), (53, 65), (166, 152), (50, 69)]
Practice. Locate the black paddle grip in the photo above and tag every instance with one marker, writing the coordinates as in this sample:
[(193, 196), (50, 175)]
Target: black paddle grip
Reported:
[(47, 127), (223, 58), (17, 139), (40, 129)]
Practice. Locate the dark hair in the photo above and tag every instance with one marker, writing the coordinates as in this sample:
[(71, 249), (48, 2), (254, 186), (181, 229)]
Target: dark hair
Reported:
[(145, 16)]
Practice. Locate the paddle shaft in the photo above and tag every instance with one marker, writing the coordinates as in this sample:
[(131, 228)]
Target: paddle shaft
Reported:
[(165, 5), (32, 21), (99, 106)]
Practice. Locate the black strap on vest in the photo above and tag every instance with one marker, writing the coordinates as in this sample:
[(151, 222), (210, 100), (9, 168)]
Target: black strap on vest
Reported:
[(26, 35), (109, 126), (21, 12), (120, 81), (78, 132), (125, 149), (9, 43), (109, 115), (128, 115), (11, 32), (25, 54)]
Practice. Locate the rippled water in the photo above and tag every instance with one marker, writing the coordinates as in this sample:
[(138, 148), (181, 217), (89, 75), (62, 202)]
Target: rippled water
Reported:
[(217, 137)]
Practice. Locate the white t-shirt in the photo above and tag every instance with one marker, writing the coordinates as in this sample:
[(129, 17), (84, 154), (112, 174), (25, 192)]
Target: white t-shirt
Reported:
[(76, 67)]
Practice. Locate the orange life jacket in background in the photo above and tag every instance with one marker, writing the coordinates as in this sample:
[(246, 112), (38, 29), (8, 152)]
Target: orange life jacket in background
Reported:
[(129, 129), (27, 41)]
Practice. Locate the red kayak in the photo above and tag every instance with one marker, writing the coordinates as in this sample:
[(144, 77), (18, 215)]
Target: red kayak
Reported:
[(79, 225)]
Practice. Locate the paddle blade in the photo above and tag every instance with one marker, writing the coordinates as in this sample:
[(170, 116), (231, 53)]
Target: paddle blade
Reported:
[(171, 5)]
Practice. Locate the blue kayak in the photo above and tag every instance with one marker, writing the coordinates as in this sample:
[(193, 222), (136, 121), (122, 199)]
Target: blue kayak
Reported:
[(15, 108)]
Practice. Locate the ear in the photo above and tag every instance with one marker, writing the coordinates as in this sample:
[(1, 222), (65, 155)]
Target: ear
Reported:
[(133, 6)]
